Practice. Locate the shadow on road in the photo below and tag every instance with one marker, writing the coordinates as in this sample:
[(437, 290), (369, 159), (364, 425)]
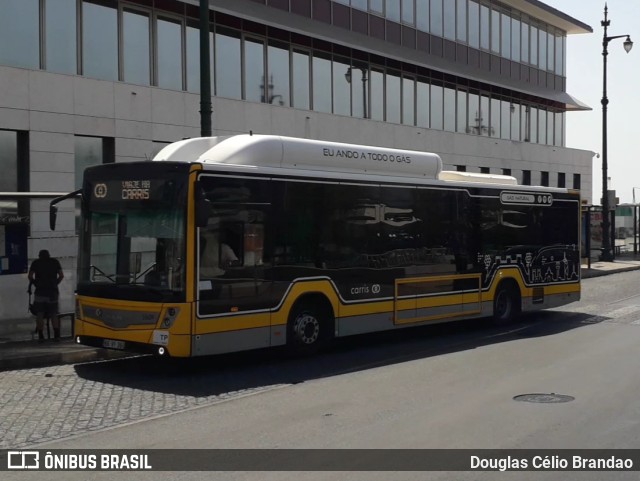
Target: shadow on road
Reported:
[(233, 373)]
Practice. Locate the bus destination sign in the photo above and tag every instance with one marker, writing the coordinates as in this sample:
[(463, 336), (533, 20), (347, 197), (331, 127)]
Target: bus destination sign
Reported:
[(526, 198), (126, 190)]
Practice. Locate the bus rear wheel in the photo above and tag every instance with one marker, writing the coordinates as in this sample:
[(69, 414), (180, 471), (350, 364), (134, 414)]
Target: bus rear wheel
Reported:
[(506, 304), (307, 329)]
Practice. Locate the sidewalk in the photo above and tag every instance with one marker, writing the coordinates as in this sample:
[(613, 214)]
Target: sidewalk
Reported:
[(19, 349)]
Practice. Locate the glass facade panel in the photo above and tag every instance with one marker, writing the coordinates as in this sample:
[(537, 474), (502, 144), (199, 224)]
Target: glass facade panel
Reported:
[(278, 72), (359, 91), (474, 121), (376, 6), (485, 27), (551, 50), (525, 42), (542, 126), (436, 107), (342, 88), (495, 31), (505, 112), (393, 97), (559, 133), (422, 104), (359, 4), (228, 67), (462, 112), (449, 19), (559, 54), (515, 121), (254, 77), (474, 24), (550, 127), (136, 49), (542, 49), (60, 41), (8, 164), (506, 36), (422, 15), (321, 82), (524, 123), (301, 79), (495, 117), (99, 41), (193, 59), (515, 40), (485, 125), (461, 22), (449, 109), (393, 10), (19, 33), (408, 101), (377, 94), (436, 17), (169, 45), (408, 14), (533, 125), (533, 60)]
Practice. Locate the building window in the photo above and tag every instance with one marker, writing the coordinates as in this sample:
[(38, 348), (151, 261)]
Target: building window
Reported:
[(169, 54), (99, 41), (322, 82), (342, 86), (14, 165), (576, 181), (136, 50), (228, 66), (90, 151), (485, 170), (422, 104), (506, 171), (461, 168), (300, 73), (278, 74), (393, 97), (561, 179), (526, 177), (254, 78), (60, 41), (19, 33), (544, 179)]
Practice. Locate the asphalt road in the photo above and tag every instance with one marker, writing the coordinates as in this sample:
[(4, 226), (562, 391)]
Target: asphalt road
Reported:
[(437, 387)]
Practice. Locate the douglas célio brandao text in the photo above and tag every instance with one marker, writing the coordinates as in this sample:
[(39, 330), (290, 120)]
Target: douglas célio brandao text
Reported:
[(550, 463)]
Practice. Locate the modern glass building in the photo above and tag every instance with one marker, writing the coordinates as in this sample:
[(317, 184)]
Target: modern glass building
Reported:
[(480, 82)]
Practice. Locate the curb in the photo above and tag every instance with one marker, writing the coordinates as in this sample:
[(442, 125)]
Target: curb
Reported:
[(590, 273)]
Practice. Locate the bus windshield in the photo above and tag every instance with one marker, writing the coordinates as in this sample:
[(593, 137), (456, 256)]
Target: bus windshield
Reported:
[(133, 239)]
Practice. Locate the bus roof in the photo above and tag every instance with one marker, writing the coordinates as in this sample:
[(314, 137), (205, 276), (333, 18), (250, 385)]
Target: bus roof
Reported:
[(303, 154), (317, 155)]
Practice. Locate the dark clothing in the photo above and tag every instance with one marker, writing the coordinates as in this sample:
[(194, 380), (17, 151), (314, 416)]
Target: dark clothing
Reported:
[(45, 277)]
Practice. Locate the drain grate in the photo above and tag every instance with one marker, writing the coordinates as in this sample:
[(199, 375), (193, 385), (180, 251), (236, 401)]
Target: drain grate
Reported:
[(544, 398)]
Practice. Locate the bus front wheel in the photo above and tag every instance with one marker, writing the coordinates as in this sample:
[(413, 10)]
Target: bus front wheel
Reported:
[(308, 328), (506, 304)]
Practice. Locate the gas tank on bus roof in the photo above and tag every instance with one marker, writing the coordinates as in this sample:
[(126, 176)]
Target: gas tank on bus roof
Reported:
[(303, 154)]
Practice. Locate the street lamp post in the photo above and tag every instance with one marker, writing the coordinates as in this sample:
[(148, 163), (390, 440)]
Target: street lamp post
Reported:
[(607, 255), (347, 76)]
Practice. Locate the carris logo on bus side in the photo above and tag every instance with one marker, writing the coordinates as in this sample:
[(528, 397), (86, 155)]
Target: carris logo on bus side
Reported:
[(100, 191)]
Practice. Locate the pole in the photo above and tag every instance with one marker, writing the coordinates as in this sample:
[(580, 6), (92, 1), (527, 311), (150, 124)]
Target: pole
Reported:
[(606, 245), (205, 71), (364, 92)]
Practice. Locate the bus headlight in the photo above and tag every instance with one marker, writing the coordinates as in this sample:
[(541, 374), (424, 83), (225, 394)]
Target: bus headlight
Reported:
[(161, 351)]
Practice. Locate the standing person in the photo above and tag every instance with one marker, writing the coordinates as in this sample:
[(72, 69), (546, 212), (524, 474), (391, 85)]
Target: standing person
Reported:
[(45, 274)]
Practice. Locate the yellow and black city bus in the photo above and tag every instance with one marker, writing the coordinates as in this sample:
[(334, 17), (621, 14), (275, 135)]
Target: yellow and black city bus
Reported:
[(225, 244)]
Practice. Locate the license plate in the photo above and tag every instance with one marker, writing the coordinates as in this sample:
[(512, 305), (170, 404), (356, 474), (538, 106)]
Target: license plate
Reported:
[(111, 344)]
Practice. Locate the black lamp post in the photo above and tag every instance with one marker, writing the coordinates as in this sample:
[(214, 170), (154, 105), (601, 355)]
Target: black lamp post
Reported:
[(364, 86), (607, 255)]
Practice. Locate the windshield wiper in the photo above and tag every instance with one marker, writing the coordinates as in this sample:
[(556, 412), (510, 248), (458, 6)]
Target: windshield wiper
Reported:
[(102, 274)]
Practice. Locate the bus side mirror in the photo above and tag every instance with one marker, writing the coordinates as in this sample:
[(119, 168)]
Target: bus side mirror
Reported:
[(53, 214), (203, 207)]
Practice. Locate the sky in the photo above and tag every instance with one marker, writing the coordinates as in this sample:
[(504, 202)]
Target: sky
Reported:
[(585, 82)]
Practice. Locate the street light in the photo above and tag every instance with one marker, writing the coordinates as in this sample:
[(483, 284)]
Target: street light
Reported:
[(606, 243), (347, 76)]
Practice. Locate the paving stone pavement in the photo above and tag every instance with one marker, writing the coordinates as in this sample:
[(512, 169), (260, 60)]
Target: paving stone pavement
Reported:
[(45, 404)]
